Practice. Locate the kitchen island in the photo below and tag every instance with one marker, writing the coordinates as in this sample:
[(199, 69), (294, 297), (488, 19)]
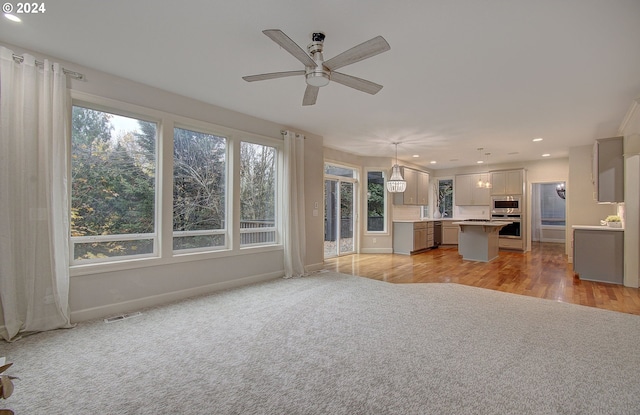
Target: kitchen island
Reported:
[(478, 240)]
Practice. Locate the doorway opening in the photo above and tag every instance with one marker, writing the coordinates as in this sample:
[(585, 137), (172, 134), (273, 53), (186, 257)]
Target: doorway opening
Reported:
[(548, 212)]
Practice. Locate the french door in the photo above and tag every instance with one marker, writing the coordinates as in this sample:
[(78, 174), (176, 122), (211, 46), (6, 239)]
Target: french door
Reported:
[(339, 217)]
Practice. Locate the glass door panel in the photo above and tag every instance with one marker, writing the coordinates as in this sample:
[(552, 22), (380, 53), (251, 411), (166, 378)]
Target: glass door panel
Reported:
[(330, 218), (347, 217), (339, 217)]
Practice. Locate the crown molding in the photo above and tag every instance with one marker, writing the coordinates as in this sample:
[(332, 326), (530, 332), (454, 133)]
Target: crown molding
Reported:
[(632, 115)]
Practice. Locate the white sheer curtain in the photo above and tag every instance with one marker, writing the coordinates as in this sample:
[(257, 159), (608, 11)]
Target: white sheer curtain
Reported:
[(34, 210), (294, 229)]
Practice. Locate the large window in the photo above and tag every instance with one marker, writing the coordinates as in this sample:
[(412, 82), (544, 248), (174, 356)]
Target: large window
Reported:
[(131, 200), (113, 185), (375, 201), (199, 188), (258, 178)]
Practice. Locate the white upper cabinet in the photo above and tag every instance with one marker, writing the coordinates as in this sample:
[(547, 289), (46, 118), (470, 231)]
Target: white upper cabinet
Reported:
[(417, 192), (467, 193), (507, 182)]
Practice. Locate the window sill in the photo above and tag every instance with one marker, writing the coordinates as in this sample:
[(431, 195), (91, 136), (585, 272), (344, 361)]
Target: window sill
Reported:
[(126, 264)]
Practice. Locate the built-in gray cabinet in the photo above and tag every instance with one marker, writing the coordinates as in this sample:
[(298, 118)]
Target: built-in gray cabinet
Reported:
[(598, 255), (608, 170), (412, 237), (507, 182), (417, 192), (467, 193)]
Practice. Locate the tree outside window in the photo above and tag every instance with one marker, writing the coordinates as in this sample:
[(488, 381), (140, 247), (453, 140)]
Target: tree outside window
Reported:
[(258, 171), (375, 201), (445, 197), (199, 188), (113, 185)]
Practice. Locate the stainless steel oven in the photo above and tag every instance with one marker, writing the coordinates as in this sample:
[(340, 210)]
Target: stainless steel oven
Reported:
[(506, 205), (512, 230)]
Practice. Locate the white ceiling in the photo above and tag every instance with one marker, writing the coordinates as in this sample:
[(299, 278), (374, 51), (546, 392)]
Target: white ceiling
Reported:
[(461, 74)]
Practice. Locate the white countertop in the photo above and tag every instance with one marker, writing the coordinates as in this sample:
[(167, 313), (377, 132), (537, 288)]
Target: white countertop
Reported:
[(484, 223), (597, 228), (426, 220)]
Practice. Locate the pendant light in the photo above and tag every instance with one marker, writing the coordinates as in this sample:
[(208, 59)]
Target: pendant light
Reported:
[(396, 183), (487, 184), (482, 184)]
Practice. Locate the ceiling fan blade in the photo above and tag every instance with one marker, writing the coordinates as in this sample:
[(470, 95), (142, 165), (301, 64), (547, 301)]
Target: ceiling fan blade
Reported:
[(310, 95), (356, 83), (364, 50), (290, 46), (272, 75)]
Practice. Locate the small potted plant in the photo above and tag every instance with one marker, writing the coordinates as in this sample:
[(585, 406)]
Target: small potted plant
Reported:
[(6, 387), (613, 221)]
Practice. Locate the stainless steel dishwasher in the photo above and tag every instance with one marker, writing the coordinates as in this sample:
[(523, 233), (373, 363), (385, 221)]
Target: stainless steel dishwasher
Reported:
[(437, 233)]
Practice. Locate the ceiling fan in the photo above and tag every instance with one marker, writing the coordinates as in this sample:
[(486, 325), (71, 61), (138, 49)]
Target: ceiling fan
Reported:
[(319, 72)]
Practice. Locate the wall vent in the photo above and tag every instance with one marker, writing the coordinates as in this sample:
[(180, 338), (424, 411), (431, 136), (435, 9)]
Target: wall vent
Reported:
[(122, 317)]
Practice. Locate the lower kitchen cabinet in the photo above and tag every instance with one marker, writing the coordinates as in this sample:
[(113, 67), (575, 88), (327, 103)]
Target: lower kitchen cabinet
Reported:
[(598, 255), (412, 237), (449, 233)]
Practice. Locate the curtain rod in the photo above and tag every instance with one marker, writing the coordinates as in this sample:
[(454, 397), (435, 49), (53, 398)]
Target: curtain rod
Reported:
[(73, 74), (283, 132)]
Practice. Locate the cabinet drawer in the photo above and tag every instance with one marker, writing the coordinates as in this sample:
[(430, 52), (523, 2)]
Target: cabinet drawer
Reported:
[(419, 225), (510, 243)]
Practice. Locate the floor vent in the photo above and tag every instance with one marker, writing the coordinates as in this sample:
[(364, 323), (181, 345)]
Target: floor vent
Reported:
[(122, 317)]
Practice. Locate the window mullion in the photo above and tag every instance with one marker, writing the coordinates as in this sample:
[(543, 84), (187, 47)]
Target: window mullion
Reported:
[(165, 188)]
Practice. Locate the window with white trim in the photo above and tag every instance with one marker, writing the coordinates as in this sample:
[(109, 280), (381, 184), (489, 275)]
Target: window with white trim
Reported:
[(199, 189), (258, 179), (113, 186), (376, 201)]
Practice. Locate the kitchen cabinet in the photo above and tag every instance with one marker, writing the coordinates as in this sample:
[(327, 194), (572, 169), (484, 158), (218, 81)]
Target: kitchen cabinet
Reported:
[(507, 182), (598, 254), (412, 237), (449, 233), (608, 170), (417, 191), (423, 189), (467, 193)]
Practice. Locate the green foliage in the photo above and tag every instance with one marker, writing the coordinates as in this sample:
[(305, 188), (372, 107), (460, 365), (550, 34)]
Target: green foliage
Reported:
[(375, 205), (113, 183)]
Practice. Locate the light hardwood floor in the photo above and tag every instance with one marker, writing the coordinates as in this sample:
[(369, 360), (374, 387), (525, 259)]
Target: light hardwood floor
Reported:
[(543, 272)]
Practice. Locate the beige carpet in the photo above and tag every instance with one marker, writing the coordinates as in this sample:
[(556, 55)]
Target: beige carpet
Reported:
[(337, 344)]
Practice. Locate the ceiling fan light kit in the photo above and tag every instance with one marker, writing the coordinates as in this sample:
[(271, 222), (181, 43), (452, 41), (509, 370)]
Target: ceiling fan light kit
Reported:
[(318, 72)]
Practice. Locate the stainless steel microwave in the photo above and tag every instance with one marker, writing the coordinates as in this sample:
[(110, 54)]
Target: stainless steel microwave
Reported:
[(506, 204)]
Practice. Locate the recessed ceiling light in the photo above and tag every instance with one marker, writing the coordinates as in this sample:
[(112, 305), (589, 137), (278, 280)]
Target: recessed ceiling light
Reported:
[(432, 162), (12, 17), (479, 161), (416, 156), (537, 139), (546, 155)]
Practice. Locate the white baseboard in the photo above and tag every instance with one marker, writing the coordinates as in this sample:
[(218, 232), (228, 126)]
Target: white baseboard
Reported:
[(314, 267), (376, 251), (155, 300)]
